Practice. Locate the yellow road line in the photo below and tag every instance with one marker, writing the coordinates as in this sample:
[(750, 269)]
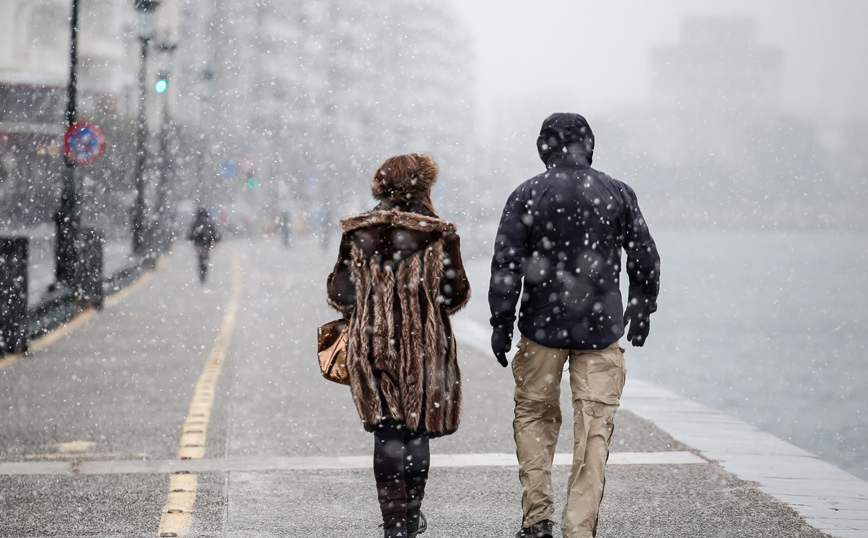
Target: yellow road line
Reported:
[(177, 514), (9, 360), (76, 322)]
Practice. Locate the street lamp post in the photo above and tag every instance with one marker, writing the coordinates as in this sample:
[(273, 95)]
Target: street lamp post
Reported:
[(204, 120), (68, 216), (165, 53), (147, 24)]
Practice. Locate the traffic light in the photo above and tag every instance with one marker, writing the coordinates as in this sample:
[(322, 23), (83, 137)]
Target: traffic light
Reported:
[(162, 83), (248, 166)]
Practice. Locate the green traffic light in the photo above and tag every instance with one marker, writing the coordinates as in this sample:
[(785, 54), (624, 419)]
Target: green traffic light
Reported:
[(252, 183), (162, 85)]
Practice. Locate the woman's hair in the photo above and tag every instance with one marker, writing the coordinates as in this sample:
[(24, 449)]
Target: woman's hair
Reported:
[(405, 179)]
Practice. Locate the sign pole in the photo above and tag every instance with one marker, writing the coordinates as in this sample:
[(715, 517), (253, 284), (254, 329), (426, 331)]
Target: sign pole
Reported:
[(139, 209), (146, 10), (67, 219)]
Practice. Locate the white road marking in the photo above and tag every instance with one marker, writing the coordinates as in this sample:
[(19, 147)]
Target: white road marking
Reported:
[(253, 464)]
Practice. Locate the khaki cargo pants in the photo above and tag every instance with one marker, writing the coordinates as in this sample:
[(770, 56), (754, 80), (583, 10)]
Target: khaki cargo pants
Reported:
[(597, 380)]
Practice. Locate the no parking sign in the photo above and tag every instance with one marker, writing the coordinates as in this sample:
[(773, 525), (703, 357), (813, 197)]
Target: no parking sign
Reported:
[(83, 143)]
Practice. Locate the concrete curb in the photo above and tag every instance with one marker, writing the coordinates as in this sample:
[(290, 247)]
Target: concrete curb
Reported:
[(829, 499)]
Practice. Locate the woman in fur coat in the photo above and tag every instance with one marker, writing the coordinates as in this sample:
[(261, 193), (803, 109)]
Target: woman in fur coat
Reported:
[(398, 277)]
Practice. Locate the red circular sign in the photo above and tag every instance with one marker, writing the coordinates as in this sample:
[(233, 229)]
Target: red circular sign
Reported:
[(83, 143)]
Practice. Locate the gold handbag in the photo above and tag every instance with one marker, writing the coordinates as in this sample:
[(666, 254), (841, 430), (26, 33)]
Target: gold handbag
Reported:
[(332, 351)]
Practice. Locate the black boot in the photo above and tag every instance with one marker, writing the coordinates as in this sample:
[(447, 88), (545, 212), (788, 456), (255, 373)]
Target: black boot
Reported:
[(540, 529), (416, 525), (393, 505)]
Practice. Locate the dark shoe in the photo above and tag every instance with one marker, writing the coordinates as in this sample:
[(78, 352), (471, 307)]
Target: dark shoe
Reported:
[(540, 529), (416, 526), (395, 531)]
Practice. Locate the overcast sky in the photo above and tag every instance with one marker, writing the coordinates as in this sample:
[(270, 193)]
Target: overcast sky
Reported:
[(593, 56)]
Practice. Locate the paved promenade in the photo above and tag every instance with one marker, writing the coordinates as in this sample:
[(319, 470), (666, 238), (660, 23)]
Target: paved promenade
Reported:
[(189, 410)]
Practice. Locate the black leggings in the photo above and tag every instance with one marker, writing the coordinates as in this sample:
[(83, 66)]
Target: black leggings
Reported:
[(401, 462), (203, 253)]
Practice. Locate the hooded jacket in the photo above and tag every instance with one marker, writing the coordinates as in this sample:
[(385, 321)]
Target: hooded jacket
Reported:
[(560, 236), (203, 232), (398, 277)]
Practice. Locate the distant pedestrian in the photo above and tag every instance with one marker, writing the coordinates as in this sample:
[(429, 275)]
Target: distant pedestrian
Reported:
[(322, 223), (398, 277), (285, 224), (204, 235), (560, 239)]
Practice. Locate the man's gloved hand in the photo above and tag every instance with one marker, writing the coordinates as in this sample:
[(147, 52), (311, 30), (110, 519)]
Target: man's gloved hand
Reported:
[(501, 341), (640, 322)]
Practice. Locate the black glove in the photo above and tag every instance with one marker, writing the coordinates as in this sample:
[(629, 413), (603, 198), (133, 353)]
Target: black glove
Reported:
[(640, 322), (501, 341)]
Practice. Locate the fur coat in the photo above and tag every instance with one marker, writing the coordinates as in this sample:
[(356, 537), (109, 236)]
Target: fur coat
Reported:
[(398, 277)]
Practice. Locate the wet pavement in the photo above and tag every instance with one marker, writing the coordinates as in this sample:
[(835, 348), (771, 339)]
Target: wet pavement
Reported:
[(95, 426)]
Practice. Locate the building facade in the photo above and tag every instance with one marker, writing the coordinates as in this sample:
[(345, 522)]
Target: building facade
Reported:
[(710, 90), (274, 105)]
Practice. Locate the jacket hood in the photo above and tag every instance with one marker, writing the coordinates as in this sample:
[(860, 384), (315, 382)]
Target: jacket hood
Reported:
[(565, 136)]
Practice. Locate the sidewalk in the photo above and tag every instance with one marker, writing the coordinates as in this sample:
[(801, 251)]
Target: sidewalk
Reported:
[(117, 253), (94, 426), (827, 498), (789, 478)]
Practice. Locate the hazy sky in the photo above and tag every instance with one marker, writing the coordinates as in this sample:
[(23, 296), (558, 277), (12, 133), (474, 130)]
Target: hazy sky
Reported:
[(593, 56)]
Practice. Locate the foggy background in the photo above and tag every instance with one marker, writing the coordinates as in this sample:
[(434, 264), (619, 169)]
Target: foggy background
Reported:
[(742, 127), (731, 114)]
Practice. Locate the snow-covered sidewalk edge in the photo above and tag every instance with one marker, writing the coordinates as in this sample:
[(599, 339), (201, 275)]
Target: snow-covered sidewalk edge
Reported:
[(831, 500)]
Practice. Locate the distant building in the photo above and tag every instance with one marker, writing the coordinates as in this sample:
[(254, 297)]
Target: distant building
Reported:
[(34, 49), (709, 90), (34, 73), (713, 145), (278, 91), (330, 89)]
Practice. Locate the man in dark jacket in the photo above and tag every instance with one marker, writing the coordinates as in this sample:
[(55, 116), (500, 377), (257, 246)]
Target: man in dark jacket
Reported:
[(204, 235), (560, 237)]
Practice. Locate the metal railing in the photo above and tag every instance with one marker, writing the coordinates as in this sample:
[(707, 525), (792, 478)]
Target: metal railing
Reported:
[(21, 323)]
